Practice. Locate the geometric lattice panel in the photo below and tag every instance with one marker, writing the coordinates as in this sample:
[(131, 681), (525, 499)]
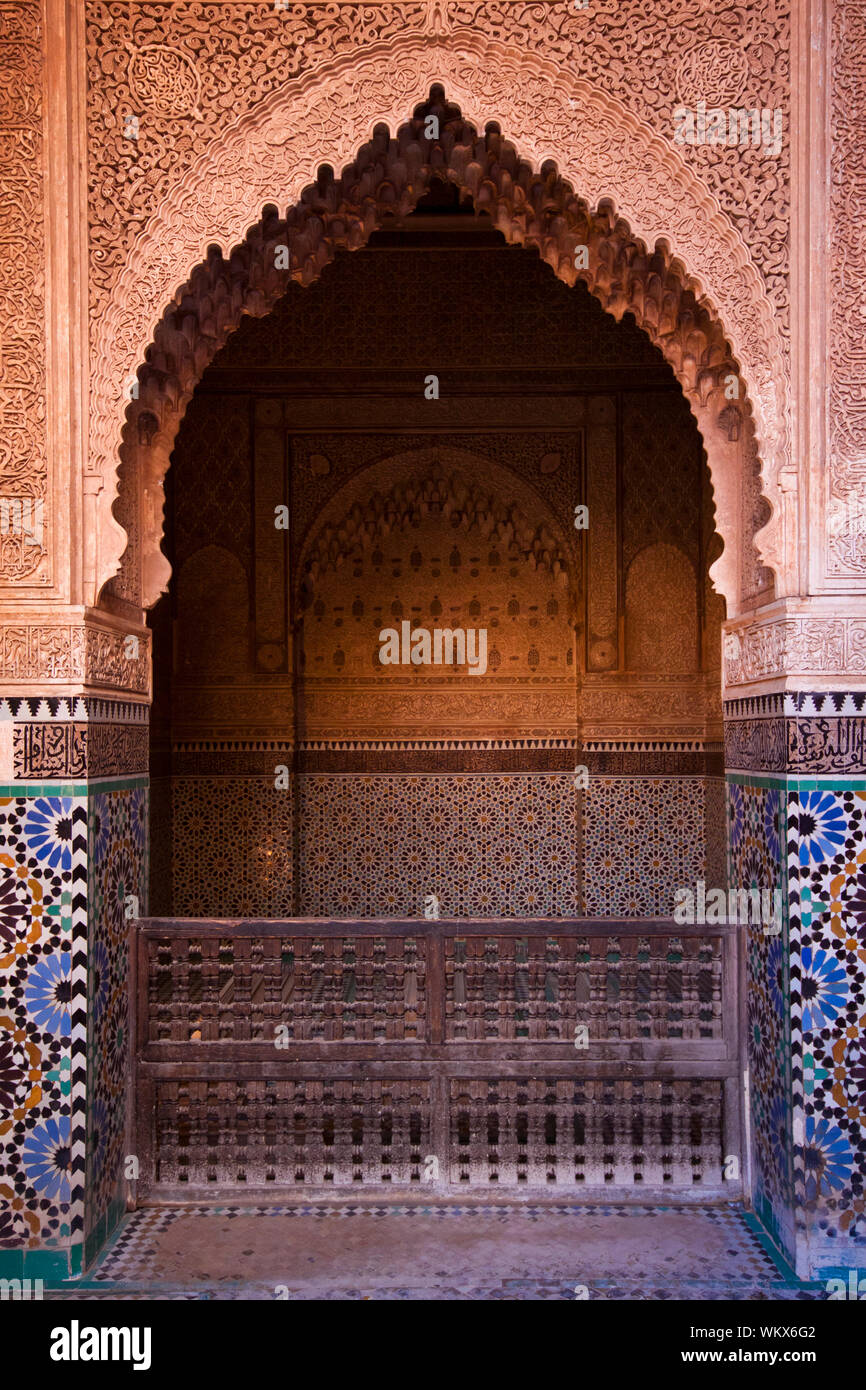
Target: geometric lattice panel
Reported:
[(538, 989), (532, 1132), (426, 1051), (296, 1133), (232, 843), (245, 988), (573, 1132), (502, 845), (643, 839)]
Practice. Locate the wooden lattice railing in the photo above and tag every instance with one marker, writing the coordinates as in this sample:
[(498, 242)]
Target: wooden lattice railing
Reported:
[(571, 1056)]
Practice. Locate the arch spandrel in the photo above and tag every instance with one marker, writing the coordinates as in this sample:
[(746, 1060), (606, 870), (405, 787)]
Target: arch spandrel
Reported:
[(272, 154)]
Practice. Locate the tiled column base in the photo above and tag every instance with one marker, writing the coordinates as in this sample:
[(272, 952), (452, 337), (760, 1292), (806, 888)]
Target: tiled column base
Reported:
[(797, 820), (756, 819), (72, 867)]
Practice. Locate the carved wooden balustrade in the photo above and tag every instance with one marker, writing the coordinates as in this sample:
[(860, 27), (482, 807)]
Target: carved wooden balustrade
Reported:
[(581, 1056)]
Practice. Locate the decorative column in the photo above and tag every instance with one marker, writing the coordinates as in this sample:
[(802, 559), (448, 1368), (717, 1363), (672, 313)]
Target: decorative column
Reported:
[(795, 754), (74, 693), (73, 872)]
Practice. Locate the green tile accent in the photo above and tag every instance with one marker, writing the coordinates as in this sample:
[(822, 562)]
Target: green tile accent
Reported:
[(103, 1230), (46, 1264), (11, 1264), (765, 1229), (791, 782), (119, 784), (34, 789), (94, 1242), (769, 780), (53, 1266), (829, 784)]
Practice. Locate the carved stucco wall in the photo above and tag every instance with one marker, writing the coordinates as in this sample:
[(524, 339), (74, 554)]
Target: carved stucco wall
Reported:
[(661, 621), (155, 204), (183, 71), (24, 554), (201, 172), (846, 401), (456, 550)]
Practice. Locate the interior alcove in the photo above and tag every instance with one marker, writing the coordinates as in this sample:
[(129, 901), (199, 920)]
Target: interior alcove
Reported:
[(605, 642)]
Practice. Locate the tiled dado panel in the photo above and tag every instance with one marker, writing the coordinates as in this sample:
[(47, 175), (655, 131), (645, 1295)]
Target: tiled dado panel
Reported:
[(804, 827), (487, 844), (71, 856), (756, 845), (231, 847), (117, 890), (43, 1031), (827, 904)]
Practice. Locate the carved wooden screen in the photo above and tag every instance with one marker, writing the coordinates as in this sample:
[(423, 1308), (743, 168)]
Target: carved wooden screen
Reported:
[(563, 1057)]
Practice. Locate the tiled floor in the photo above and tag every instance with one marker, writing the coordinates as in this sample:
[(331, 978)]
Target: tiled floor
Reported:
[(356, 1251)]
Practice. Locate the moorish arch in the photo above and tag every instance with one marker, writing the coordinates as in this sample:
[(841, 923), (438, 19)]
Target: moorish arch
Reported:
[(568, 166), (136, 255)]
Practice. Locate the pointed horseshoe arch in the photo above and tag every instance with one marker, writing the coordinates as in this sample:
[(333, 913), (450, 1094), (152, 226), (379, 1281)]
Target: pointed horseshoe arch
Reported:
[(564, 166)]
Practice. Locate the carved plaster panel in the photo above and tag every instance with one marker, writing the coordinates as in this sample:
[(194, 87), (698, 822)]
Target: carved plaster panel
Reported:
[(846, 403), (601, 148), (25, 524), (335, 711), (181, 70), (794, 647), (539, 710), (39, 654), (827, 745), (44, 749), (643, 709)]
